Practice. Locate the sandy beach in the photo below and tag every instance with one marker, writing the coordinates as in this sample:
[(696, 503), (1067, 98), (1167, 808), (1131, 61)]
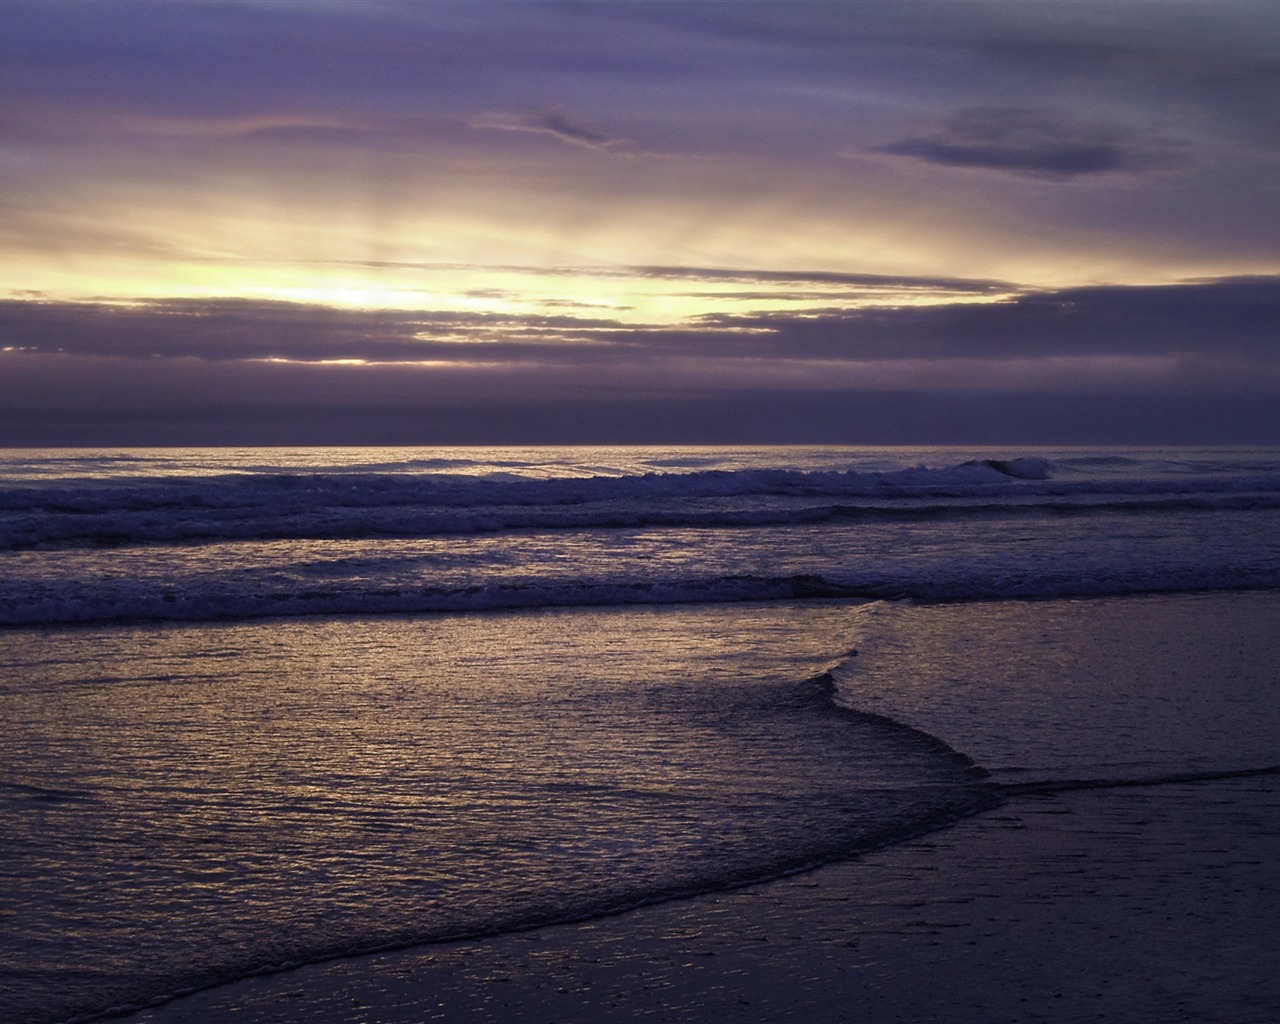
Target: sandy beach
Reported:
[(1147, 904)]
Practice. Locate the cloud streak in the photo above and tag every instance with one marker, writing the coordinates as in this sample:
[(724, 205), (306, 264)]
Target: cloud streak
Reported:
[(556, 122)]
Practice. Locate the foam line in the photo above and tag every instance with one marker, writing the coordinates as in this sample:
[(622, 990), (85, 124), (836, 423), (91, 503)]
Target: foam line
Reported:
[(1049, 786)]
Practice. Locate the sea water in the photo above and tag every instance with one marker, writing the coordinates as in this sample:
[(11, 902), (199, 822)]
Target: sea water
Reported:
[(265, 707)]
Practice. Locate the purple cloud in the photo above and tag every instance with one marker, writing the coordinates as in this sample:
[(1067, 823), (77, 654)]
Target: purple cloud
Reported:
[(1036, 143), (556, 122)]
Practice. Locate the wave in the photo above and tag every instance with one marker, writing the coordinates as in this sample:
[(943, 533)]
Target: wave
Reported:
[(128, 601), (1019, 469), (292, 506), (119, 601), (481, 536)]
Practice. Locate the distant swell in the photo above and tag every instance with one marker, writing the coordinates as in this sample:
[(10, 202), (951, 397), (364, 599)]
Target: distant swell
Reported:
[(425, 538), (111, 604), (370, 505), (60, 528)]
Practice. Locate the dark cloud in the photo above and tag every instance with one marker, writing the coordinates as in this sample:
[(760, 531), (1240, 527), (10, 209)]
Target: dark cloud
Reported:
[(1198, 362), (217, 330), (1214, 320), (681, 64), (1037, 143), (798, 277), (1218, 318), (557, 122), (714, 275), (1213, 70)]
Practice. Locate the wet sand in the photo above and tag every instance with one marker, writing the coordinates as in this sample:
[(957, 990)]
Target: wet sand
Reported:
[(1142, 904)]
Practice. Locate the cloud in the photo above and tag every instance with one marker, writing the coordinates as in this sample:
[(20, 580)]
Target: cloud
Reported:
[(938, 285), (1213, 321), (220, 330), (1224, 328), (451, 131), (1036, 143), (557, 122), (1198, 362)]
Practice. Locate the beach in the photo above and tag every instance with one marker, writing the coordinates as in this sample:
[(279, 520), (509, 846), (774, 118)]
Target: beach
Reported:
[(1144, 904), (1101, 889)]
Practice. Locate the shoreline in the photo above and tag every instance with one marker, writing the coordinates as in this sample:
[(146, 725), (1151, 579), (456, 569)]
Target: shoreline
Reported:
[(1148, 904), (1112, 883)]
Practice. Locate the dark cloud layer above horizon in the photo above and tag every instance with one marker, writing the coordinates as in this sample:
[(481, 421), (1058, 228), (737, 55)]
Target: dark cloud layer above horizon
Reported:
[(671, 417), (1063, 358), (1214, 319)]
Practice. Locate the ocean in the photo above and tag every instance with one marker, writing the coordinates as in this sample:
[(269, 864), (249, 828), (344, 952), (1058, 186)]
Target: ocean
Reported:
[(267, 707)]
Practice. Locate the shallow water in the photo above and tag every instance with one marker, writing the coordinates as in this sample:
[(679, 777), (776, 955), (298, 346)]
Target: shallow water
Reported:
[(194, 803), (1104, 689)]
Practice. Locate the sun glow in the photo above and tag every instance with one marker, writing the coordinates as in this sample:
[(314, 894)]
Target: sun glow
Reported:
[(599, 295), (459, 250)]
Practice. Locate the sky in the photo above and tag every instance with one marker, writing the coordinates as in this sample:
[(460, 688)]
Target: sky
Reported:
[(666, 222)]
